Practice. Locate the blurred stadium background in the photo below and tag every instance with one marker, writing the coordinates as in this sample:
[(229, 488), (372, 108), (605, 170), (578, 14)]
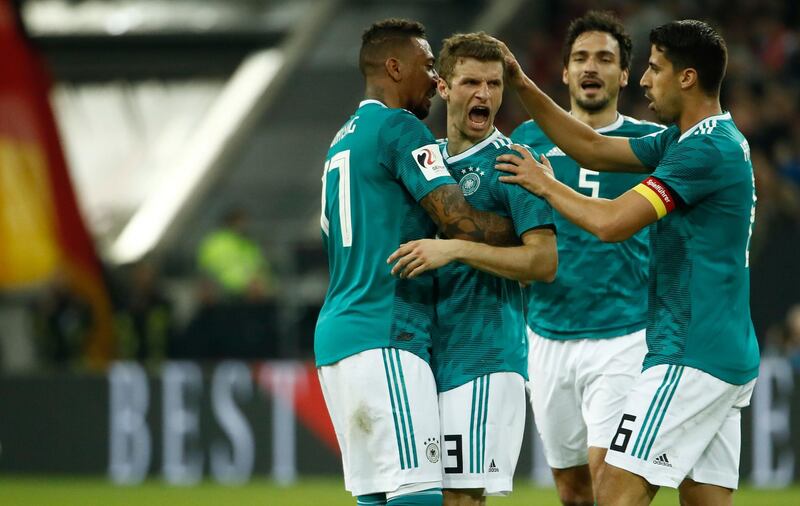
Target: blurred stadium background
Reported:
[(160, 262)]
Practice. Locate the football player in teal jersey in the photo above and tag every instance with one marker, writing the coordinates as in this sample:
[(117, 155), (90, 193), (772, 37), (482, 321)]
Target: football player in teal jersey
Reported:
[(591, 319), (681, 423), (385, 183), (480, 347)]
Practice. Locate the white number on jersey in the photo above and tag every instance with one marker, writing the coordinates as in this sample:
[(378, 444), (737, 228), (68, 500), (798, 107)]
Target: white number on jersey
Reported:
[(750, 230), (340, 161), (585, 183)]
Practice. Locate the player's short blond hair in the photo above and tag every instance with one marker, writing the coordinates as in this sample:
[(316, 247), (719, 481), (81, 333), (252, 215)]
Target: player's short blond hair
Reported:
[(479, 46)]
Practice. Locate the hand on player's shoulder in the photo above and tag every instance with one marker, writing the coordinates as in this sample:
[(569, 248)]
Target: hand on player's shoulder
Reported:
[(525, 170)]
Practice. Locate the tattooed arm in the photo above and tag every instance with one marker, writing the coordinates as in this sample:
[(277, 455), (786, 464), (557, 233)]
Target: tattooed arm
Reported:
[(456, 219)]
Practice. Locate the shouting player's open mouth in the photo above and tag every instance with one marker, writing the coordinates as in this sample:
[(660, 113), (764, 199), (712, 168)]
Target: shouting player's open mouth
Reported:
[(479, 117), (591, 85)]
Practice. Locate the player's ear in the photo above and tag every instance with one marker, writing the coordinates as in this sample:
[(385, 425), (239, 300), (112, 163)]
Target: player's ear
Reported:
[(687, 78), (393, 70), (623, 78), (565, 76), (443, 89)]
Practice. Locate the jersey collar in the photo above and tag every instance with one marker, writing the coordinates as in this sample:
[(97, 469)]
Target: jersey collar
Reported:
[(474, 149), (611, 126), (717, 117), (371, 101)]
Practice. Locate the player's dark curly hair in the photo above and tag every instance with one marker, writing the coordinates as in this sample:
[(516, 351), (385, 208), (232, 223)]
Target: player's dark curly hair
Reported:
[(599, 21), (384, 35), (690, 43), (479, 46)]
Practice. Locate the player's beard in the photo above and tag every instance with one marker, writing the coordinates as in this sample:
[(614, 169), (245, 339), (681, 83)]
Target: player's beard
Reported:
[(420, 112), (594, 105), (666, 117)]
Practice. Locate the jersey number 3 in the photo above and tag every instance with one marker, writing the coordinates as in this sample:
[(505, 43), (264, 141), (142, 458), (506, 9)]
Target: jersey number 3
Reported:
[(341, 162)]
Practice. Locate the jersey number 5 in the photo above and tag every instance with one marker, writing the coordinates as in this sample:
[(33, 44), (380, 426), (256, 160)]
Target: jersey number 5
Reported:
[(586, 183), (340, 162)]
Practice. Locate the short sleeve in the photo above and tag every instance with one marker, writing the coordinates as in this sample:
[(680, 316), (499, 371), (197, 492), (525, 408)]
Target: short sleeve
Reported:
[(651, 148), (410, 153), (690, 169), (527, 211)]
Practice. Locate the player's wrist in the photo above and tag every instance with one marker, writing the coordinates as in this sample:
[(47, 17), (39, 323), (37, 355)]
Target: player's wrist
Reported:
[(548, 188), (459, 250)]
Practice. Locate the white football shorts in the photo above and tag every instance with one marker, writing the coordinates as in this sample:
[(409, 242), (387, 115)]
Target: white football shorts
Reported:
[(680, 422), (578, 390), (482, 426), (384, 407)]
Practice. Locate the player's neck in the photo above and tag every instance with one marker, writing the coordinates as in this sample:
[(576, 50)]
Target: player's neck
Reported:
[(696, 109), (457, 142), (595, 119), (389, 97)]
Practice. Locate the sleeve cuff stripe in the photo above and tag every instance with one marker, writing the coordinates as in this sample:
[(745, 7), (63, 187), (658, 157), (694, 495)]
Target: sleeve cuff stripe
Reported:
[(653, 198)]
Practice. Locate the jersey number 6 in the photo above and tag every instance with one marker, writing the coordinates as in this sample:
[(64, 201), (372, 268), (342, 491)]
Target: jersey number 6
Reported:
[(624, 433)]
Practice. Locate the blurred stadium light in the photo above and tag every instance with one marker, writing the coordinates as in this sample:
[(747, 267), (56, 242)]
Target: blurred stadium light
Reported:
[(159, 71), (185, 171)]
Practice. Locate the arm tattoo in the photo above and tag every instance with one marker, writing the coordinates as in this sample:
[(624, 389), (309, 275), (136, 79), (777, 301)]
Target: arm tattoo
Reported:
[(456, 219)]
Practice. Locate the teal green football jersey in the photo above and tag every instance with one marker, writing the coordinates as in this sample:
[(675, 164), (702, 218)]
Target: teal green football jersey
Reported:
[(380, 164), (601, 288), (699, 311), (480, 317)]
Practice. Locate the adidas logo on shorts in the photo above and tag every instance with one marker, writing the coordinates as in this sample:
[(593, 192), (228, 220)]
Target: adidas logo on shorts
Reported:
[(493, 468), (662, 460)]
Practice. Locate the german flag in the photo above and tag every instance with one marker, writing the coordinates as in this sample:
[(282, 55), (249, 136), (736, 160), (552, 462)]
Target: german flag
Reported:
[(42, 233)]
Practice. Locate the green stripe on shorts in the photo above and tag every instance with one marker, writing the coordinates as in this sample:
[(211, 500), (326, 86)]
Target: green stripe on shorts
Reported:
[(653, 402), (485, 419), (411, 441), (478, 427), (661, 395), (472, 428), (394, 409), (674, 388), (399, 398)]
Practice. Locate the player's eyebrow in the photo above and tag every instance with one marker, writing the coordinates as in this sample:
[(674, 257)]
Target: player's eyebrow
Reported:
[(601, 53)]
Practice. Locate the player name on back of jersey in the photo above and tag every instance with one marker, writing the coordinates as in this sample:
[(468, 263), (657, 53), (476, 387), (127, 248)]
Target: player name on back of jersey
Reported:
[(343, 132)]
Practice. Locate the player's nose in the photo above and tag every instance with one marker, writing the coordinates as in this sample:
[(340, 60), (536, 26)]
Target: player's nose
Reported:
[(590, 66)]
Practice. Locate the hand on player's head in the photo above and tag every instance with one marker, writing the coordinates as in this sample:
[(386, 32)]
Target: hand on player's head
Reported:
[(514, 75)]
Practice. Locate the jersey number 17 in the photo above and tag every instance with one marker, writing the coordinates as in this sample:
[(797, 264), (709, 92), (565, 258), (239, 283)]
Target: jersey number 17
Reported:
[(341, 162)]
